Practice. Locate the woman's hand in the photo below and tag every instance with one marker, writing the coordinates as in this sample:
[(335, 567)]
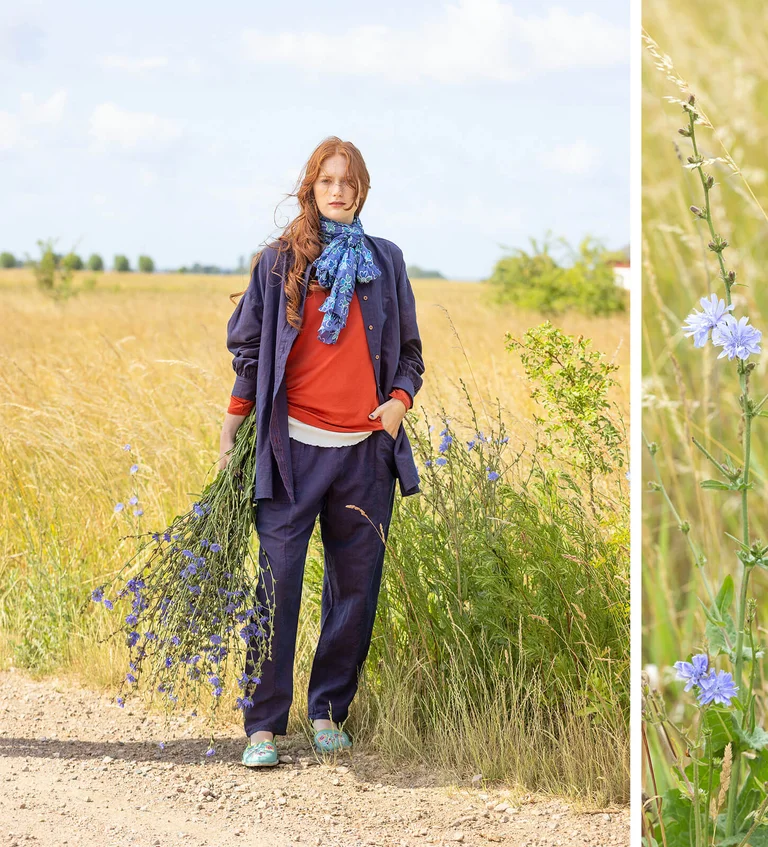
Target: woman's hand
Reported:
[(227, 439), (391, 414)]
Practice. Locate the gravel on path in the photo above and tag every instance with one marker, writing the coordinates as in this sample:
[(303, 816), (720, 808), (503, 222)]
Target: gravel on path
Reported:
[(77, 770)]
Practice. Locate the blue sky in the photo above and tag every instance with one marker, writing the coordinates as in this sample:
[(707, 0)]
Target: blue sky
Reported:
[(176, 129)]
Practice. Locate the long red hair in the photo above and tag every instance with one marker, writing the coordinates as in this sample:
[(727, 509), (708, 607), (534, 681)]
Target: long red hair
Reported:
[(301, 237)]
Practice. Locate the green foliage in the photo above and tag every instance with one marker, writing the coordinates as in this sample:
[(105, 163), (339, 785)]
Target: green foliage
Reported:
[(505, 607), (52, 275), (95, 262), (50, 598), (537, 280), (72, 262), (121, 264), (617, 255), (146, 265), (7, 260), (583, 427), (415, 272)]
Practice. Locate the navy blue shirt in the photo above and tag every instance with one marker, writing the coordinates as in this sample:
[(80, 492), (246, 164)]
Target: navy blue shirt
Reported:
[(260, 339)]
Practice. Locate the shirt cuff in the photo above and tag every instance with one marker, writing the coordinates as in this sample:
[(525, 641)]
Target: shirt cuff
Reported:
[(245, 387), (239, 406), (401, 394)]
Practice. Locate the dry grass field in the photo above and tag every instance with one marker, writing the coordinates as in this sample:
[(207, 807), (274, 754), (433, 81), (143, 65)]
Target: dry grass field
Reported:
[(142, 360)]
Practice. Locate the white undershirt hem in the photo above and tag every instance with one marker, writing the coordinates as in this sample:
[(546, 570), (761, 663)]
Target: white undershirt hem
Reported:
[(308, 434)]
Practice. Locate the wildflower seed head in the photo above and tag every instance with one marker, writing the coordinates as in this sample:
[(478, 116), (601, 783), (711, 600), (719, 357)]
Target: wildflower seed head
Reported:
[(684, 131)]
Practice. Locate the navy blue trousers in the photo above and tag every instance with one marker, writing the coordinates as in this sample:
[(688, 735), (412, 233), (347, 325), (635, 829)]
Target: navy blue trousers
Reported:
[(326, 481)]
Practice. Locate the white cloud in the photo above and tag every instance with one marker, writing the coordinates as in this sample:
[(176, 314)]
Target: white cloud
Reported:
[(112, 126), (134, 64), (17, 129), (50, 111), (561, 40), (148, 178), (10, 131), (576, 159), (473, 39)]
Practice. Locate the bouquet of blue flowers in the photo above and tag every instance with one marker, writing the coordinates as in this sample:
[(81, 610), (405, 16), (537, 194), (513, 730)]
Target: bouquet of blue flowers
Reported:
[(188, 597)]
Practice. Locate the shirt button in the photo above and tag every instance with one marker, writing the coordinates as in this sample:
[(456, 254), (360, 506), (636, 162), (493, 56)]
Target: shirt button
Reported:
[(377, 355), (370, 326), (365, 296)]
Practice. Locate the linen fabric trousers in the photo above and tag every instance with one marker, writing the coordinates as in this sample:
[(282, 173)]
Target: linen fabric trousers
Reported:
[(326, 481)]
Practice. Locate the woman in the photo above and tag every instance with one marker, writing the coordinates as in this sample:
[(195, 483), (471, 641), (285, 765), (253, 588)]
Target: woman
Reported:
[(326, 345)]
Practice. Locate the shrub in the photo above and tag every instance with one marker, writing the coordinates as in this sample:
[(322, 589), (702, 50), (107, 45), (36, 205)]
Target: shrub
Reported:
[(146, 265), (52, 275), (95, 262), (7, 260), (122, 265), (583, 427), (72, 262), (537, 280)]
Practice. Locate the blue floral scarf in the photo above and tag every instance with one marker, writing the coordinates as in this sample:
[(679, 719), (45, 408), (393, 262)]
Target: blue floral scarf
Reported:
[(344, 262)]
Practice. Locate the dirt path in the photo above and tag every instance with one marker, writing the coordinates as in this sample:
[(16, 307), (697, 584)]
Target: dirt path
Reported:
[(75, 769)]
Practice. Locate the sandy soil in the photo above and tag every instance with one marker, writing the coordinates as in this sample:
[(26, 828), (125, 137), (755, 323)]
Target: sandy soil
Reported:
[(75, 769)]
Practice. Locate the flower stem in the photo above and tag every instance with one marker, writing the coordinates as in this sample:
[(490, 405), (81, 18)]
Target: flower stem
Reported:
[(748, 412), (699, 560)]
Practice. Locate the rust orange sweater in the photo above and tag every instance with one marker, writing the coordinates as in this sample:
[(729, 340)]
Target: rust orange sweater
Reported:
[(330, 386)]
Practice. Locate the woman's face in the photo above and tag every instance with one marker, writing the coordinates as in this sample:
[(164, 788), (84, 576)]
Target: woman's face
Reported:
[(334, 196)]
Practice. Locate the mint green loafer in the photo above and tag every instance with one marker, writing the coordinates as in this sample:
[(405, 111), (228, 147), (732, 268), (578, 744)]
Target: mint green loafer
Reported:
[(330, 740), (263, 754)]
